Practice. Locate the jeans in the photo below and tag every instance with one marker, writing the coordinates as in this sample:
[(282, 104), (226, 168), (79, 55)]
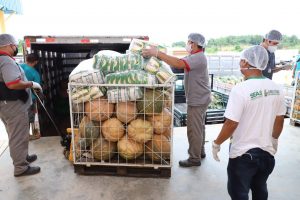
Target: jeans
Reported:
[(250, 171)]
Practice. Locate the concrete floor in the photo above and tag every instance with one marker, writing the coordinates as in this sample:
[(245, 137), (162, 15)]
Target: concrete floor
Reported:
[(57, 180)]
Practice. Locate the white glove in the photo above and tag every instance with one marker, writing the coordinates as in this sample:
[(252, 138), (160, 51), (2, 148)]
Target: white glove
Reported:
[(36, 86), (151, 51), (215, 149), (275, 143), (287, 66)]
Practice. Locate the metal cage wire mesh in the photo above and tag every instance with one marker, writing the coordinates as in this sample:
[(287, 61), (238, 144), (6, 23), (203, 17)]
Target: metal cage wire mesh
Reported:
[(128, 125)]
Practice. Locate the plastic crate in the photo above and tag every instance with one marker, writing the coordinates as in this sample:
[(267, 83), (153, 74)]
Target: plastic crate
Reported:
[(213, 116)]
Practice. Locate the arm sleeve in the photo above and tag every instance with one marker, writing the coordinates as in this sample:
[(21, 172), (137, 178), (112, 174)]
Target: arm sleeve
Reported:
[(281, 105), (187, 63), (235, 106), (11, 72)]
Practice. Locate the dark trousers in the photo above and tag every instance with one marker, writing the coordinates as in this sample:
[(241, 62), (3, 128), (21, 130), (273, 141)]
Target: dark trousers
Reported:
[(31, 111), (250, 171)]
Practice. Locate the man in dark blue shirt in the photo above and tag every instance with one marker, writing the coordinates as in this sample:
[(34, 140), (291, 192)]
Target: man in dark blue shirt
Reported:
[(270, 43)]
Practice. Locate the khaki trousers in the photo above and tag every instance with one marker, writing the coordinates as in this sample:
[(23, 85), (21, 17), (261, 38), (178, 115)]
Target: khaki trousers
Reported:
[(196, 131), (17, 127)]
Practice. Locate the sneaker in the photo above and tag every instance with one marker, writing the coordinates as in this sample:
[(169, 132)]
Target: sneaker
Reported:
[(31, 158), (30, 171), (188, 163)]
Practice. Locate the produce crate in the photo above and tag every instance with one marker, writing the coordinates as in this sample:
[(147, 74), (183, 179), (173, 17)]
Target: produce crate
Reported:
[(124, 129), (213, 115), (295, 106), (179, 89), (180, 114)]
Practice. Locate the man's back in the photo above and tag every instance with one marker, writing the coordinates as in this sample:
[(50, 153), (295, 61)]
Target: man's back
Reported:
[(31, 73), (254, 104), (196, 81)]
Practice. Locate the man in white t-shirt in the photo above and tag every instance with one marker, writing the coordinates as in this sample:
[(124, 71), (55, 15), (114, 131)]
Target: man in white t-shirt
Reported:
[(254, 121)]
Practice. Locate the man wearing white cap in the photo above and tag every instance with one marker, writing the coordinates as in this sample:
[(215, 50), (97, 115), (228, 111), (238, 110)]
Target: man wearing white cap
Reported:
[(197, 91), (254, 121), (15, 100), (270, 43)]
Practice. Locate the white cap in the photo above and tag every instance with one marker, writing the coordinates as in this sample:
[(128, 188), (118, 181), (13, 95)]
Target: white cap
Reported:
[(274, 35), (197, 38), (7, 39), (256, 56)]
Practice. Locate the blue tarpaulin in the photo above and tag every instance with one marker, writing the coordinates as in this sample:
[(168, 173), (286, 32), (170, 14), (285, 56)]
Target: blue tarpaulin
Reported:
[(11, 6)]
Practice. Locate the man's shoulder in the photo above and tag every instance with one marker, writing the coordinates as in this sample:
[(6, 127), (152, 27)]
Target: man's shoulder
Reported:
[(6, 59), (240, 87), (198, 55)]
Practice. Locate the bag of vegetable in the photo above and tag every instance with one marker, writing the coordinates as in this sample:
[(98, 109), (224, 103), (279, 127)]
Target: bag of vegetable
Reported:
[(136, 46), (84, 94), (152, 65), (87, 77), (130, 77), (122, 94), (117, 63)]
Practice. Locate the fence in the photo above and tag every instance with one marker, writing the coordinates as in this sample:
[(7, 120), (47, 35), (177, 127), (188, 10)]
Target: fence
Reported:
[(222, 65)]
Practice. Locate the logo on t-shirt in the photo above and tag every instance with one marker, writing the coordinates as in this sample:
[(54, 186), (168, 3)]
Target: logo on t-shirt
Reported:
[(271, 92), (257, 94)]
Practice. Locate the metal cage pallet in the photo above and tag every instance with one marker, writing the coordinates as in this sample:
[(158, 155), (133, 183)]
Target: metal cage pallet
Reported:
[(125, 132)]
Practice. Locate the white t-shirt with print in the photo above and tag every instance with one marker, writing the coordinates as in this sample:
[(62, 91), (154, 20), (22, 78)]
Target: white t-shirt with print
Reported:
[(254, 103)]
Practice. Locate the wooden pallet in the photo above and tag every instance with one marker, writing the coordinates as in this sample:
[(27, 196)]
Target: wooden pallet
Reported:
[(146, 172), (294, 123)]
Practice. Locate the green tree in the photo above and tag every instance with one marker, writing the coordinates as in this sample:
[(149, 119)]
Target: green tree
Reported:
[(237, 43), (20, 46), (238, 48), (179, 44)]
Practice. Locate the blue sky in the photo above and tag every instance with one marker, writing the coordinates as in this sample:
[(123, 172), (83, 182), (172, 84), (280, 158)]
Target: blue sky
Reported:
[(164, 21)]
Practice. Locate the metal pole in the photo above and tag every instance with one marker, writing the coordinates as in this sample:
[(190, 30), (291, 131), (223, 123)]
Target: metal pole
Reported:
[(40, 101)]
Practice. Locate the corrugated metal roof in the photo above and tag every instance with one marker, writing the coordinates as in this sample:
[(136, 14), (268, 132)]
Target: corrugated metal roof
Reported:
[(11, 6)]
